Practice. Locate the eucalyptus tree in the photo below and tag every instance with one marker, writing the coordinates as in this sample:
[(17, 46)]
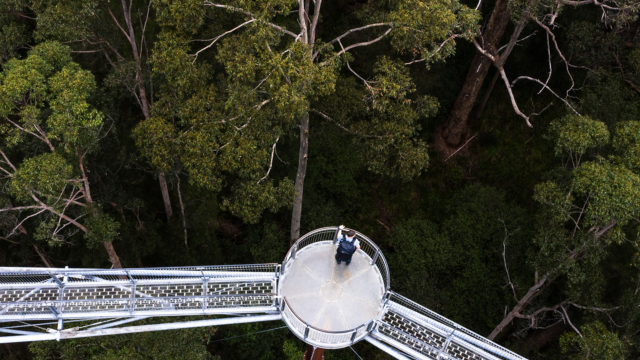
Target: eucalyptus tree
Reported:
[(118, 32), (44, 110), (283, 68), (547, 16), (590, 209)]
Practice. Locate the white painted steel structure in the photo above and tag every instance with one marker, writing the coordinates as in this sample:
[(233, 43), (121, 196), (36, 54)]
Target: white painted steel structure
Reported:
[(53, 304)]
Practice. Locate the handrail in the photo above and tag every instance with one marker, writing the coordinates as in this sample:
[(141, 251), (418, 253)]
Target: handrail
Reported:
[(315, 328), (318, 337), (329, 234)]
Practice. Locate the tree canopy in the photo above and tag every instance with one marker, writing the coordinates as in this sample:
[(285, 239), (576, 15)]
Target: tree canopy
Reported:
[(200, 132)]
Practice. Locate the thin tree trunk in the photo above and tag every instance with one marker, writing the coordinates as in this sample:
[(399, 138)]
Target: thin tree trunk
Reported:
[(42, 257), (501, 61), (299, 184), (144, 99), (165, 196), (524, 301), (184, 219), (539, 285), (113, 256), (482, 105), (454, 129)]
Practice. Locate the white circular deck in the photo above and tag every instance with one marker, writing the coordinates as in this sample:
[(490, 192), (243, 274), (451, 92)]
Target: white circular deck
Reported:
[(330, 296)]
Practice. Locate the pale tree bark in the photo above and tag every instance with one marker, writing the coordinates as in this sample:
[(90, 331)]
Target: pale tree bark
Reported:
[(308, 18), (113, 256), (454, 129), (299, 184), (84, 192), (501, 61), (42, 257), (541, 283), (141, 94)]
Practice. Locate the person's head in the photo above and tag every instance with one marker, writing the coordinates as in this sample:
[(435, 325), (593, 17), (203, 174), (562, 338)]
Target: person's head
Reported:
[(351, 233)]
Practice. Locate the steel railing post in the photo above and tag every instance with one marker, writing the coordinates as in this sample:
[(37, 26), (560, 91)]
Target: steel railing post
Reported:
[(293, 251), (132, 298), (306, 332), (205, 292), (371, 326), (375, 257)]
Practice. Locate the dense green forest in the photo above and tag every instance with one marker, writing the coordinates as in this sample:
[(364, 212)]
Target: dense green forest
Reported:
[(491, 149)]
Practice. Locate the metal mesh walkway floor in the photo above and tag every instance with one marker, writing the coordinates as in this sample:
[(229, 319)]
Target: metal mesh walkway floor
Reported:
[(331, 296)]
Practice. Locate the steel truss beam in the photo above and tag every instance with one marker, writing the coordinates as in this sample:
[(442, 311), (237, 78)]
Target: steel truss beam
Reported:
[(73, 334)]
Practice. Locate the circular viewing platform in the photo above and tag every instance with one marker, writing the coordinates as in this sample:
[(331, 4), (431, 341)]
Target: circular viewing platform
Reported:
[(327, 304)]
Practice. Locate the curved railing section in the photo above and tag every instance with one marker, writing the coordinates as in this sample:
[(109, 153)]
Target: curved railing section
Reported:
[(329, 234), (318, 337)]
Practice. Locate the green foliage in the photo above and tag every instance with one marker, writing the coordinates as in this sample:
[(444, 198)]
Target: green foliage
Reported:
[(596, 342), (268, 244), (101, 228), (45, 175), (575, 134), (614, 192), (627, 143), (73, 121), (419, 26), (291, 350), (253, 198), (13, 34), (161, 345), (445, 265)]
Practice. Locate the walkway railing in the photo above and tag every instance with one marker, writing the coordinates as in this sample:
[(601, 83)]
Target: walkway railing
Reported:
[(424, 334), (48, 294), (329, 234), (318, 337)]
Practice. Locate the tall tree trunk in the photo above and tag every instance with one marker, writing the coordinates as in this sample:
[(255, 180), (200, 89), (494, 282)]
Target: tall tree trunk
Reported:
[(299, 185), (501, 61), (144, 99), (313, 353), (486, 97), (454, 129), (165, 196), (113, 256)]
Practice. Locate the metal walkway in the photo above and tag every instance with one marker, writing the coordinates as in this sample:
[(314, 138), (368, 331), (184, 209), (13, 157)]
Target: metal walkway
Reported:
[(53, 304)]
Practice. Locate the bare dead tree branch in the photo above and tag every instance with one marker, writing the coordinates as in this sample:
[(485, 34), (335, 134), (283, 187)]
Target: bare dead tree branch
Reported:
[(569, 320), (504, 257), (273, 151), (235, 9), (350, 32), (213, 41)]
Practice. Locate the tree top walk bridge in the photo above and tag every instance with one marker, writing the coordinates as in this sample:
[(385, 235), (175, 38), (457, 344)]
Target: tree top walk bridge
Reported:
[(325, 304)]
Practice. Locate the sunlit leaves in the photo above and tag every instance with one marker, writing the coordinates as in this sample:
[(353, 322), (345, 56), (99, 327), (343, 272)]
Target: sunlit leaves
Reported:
[(48, 79), (45, 175), (614, 192), (155, 137), (575, 134), (421, 27), (73, 120), (596, 342)]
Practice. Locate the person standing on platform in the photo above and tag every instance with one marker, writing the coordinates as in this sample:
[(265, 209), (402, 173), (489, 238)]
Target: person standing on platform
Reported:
[(347, 245)]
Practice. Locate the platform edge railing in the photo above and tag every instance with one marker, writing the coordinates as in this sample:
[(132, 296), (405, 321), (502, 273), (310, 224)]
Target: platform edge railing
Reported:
[(329, 234), (319, 337)]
